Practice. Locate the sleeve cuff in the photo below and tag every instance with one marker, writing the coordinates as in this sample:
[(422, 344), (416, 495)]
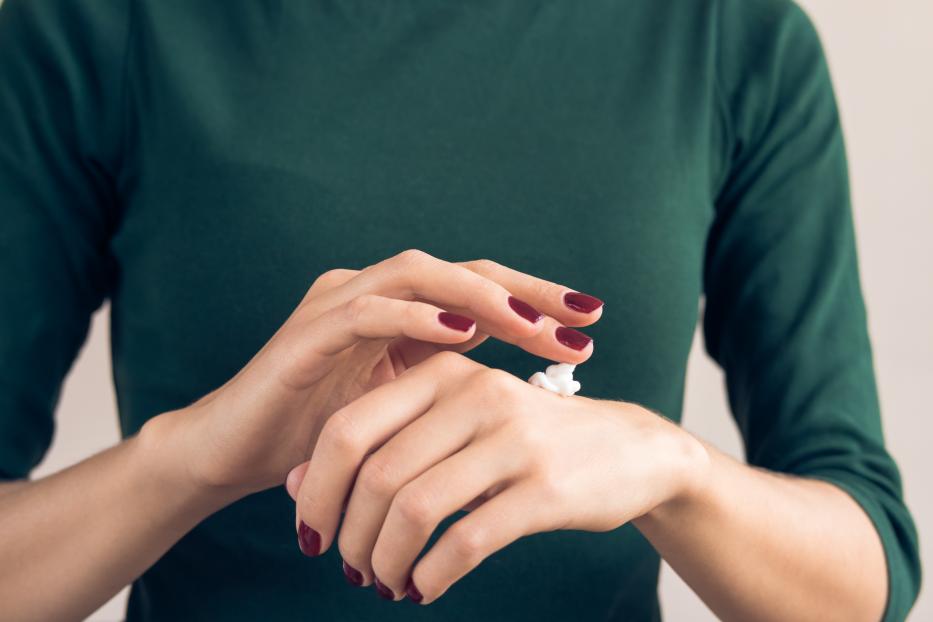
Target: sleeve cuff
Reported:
[(899, 600)]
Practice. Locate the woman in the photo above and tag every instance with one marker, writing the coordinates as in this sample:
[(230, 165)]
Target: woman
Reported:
[(441, 173)]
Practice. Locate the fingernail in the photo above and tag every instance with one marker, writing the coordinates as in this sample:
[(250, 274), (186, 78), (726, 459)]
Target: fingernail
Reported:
[(354, 576), (309, 541), (572, 338), (584, 303), (457, 322), (383, 591), (525, 310), (413, 592)]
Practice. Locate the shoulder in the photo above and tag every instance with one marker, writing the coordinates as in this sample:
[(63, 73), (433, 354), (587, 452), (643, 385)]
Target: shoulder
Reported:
[(760, 16), (87, 31), (64, 16), (771, 63), (761, 38), (64, 60)]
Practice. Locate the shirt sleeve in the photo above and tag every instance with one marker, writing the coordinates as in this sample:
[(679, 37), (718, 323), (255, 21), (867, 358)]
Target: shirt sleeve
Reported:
[(784, 314), (60, 126)]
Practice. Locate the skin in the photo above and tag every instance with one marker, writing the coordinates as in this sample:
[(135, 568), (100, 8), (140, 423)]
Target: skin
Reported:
[(70, 541), (450, 434)]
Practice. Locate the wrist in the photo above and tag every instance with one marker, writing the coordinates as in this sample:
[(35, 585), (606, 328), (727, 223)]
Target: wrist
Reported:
[(691, 465), (164, 448)]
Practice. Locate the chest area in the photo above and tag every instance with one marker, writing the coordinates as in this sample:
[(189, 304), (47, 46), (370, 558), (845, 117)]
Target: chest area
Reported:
[(257, 167)]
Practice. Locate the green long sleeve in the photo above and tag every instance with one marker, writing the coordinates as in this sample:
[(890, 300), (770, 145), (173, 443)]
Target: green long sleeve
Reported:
[(785, 316)]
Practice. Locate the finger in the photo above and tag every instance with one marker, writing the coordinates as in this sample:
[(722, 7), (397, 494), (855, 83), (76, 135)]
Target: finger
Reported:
[(423, 443), (439, 492), (413, 351), (361, 426), (294, 479), (367, 317), (328, 281), (555, 342), (373, 317), (566, 305), (515, 512), (416, 275), (574, 309)]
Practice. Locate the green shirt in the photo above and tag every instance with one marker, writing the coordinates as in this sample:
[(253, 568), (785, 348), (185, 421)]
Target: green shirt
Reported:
[(198, 164)]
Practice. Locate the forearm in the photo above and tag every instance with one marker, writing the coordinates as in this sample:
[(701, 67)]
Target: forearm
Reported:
[(70, 541), (757, 545)]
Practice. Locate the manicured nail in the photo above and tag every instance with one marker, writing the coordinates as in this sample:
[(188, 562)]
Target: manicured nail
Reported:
[(413, 592), (584, 303), (572, 338), (457, 322), (309, 541), (354, 576), (525, 310), (383, 591)]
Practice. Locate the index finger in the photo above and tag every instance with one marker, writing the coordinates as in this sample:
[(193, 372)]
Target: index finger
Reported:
[(566, 305), (416, 275)]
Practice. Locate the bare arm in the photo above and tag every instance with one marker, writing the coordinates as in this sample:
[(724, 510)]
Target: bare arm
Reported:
[(6, 487), (70, 541), (755, 545), (758, 545)]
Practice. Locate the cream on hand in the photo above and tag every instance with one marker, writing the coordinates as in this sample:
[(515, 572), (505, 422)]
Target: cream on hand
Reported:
[(557, 378)]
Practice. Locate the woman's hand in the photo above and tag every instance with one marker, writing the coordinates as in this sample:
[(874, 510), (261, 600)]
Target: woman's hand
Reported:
[(452, 434), (353, 331)]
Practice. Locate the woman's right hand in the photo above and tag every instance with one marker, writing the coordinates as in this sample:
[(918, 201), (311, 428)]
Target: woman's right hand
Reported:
[(353, 331)]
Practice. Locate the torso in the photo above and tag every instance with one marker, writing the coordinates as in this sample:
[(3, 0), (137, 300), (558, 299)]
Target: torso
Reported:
[(270, 142)]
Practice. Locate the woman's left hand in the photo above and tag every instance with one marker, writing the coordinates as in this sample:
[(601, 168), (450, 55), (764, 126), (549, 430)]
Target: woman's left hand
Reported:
[(451, 434)]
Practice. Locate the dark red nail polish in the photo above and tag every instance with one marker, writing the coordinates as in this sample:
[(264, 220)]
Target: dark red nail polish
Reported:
[(354, 576), (457, 322), (383, 591), (525, 310), (309, 541), (584, 303), (572, 338), (413, 592)]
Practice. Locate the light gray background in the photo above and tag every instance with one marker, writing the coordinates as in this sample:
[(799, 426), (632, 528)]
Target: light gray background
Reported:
[(881, 55)]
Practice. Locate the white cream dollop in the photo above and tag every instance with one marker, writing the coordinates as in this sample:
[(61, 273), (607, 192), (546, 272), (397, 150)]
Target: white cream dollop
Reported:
[(557, 378)]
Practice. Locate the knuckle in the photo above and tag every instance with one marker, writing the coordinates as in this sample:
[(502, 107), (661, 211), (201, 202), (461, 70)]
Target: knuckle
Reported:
[(377, 477), (448, 361), (532, 439), (500, 387), (414, 506), (415, 312), (411, 257), (356, 307), (551, 485), (545, 290), (483, 266), (485, 286), (534, 449), (331, 278), (373, 267), (342, 433), (467, 541)]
